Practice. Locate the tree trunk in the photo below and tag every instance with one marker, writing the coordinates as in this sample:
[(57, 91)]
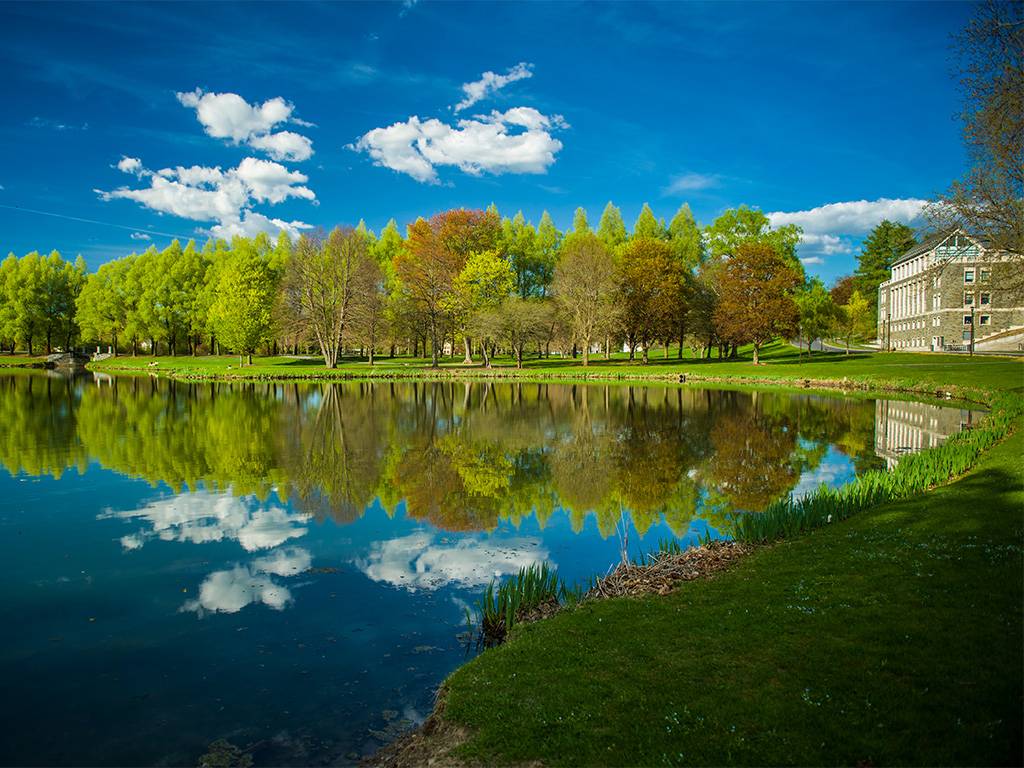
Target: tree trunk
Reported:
[(519, 356), (757, 349), (468, 344), (645, 359), (249, 358), (586, 352)]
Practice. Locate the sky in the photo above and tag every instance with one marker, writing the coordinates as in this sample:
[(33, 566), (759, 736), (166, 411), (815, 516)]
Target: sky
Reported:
[(126, 125)]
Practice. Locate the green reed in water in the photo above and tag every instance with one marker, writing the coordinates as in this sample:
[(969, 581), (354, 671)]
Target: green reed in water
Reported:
[(913, 474), (503, 604)]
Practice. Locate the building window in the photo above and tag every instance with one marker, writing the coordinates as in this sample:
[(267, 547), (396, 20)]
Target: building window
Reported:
[(986, 298), (984, 274), (968, 276), (966, 336), (968, 299), (967, 319), (986, 320)]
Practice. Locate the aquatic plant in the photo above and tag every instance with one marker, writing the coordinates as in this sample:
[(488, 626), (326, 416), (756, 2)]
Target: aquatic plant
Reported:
[(533, 589), (913, 474)]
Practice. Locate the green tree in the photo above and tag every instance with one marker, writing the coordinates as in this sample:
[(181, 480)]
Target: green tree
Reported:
[(549, 240), (884, 244), (579, 222), (650, 288), (481, 286), (686, 238), (242, 310), (648, 225), (612, 229), (817, 312), (749, 225), (853, 318)]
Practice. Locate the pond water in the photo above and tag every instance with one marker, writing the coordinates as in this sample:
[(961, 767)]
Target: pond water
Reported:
[(286, 566)]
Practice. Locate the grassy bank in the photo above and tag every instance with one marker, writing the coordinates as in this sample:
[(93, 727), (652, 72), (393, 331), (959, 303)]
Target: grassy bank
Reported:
[(892, 637), (782, 364)]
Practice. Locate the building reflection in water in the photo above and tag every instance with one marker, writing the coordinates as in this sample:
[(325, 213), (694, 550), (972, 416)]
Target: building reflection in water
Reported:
[(903, 427)]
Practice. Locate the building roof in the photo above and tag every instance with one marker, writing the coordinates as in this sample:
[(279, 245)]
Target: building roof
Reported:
[(935, 240)]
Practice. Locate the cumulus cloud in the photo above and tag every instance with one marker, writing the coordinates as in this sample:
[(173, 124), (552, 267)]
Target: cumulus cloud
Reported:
[(140, 236), (490, 82), (284, 145), (690, 182), (518, 140), (855, 217), (202, 193), (232, 590), (229, 116), (203, 516), (812, 260), (829, 245), (420, 562)]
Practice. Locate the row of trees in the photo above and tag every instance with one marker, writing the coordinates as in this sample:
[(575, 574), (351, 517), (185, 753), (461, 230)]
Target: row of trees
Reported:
[(461, 279)]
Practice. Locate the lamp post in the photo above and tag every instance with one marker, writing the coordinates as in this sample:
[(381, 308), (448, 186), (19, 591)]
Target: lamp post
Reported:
[(972, 331)]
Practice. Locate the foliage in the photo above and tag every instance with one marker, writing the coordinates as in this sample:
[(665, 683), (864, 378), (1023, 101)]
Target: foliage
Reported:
[(989, 200), (886, 242), (744, 225), (818, 312), (242, 313), (755, 302), (585, 279)]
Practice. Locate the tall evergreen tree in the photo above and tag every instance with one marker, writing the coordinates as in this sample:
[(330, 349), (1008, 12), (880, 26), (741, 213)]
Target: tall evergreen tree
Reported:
[(611, 229), (884, 244), (648, 225), (579, 221), (685, 238)]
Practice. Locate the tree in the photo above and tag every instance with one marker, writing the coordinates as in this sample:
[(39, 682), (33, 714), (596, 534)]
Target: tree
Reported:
[(650, 287), (482, 285), (242, 311), (853, 317), (518, 322), (579, 222), (648, 225), (611, 229), (686, 239), (322, 283), (817, 312), (101, 309), (989, 200), (368, 310), (884, 244), (584, 289), (519, 242), (749, 225), (755, 296), (435, 253), (549, 240), (842, 289)]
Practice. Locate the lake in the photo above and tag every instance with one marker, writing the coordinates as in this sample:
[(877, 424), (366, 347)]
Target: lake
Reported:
[(287, 566)]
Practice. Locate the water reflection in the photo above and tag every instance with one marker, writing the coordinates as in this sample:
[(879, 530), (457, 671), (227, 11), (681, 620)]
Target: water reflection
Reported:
[(461, 457), (287, 565), (423, 560)]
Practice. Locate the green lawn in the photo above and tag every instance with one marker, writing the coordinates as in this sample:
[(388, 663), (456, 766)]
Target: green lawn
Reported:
[(892, 638), (781, 362)]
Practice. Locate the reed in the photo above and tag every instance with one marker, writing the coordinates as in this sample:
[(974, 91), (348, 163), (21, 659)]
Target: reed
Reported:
[(532, 589), (913, 474)]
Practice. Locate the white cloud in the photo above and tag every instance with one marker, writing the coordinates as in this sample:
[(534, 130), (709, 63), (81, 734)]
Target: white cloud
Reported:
[(232, 590), (855, 217), (690, 182), (202, 516), (130, 165), (829, 245), (284, 145), (140, 236), (201, 193), (418, 561), (289, 561), (490, 82), (812, 260), (229, 116), (516, 141)]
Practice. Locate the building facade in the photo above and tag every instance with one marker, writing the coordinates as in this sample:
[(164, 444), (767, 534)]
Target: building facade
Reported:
[(946, 287)]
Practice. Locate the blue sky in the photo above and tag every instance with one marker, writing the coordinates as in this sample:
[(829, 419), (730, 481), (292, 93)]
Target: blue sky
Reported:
[(228, 118)]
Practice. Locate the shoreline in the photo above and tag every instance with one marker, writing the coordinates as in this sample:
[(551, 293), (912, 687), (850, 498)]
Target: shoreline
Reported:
[(435, 740)]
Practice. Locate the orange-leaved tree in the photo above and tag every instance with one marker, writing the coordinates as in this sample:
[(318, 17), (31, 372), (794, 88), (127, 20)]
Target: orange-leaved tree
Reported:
[(756, 297)]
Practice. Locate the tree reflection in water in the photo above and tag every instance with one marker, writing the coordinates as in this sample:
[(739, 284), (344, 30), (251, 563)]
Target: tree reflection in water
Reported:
[(461, 456)]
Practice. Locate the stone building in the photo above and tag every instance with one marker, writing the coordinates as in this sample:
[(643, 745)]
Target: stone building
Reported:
[(903, 427), (945, 286)]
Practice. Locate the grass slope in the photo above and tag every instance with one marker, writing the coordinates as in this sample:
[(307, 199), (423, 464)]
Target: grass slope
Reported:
[(915, 371), (894, 637)]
